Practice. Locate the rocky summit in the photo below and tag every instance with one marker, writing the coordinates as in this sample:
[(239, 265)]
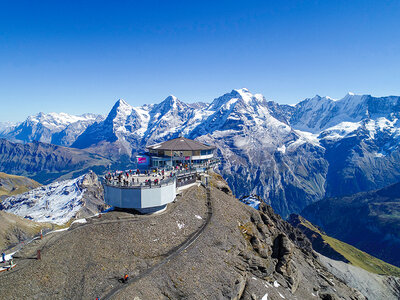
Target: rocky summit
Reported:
[(206, 245)]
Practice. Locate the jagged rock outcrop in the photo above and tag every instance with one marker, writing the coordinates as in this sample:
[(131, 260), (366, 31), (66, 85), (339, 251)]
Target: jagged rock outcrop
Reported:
[(93, 197)]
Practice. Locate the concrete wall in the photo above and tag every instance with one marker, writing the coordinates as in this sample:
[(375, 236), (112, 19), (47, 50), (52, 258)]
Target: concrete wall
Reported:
[(137, 198)]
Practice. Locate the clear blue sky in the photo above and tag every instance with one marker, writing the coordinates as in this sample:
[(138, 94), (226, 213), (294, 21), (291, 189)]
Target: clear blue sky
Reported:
[(81, 56)]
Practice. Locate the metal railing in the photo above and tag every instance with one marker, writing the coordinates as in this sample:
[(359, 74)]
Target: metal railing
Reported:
[(176, 176), (132, 184), (139, 185)]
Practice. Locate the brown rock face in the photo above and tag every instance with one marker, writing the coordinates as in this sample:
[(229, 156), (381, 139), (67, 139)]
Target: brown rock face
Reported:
[(93, 196)]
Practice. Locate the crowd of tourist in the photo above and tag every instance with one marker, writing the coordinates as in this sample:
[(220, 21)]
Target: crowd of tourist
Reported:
[(139, 177)]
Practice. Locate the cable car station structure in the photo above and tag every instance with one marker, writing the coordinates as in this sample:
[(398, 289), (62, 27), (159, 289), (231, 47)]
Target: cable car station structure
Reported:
[(170, 166)]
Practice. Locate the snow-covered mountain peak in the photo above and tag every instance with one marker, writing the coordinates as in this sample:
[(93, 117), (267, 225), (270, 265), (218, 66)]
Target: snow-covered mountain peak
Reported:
[(57, 128), (243, 92), (318, 99), (121, 105), (120, 110), (321, 113), (171, 104), (352, 97), (247, 96), (57, 119), (229, 100), (172, 98)]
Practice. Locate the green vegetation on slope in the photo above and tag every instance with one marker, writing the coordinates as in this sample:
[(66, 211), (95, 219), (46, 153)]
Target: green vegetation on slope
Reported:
[(369, 221), (13, 185), (355, 256)]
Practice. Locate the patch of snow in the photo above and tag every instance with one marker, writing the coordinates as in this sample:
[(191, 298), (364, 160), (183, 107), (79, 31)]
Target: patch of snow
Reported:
[(9, 256), (58, 230), (308, 137), (282, 149), (276, 284), (251, 201), (281, 295), (228, 105), (265, 297), (241, 141), (198, 217), (340, 131), (180, 224), (267, 284), (55, 203), (80, 221)]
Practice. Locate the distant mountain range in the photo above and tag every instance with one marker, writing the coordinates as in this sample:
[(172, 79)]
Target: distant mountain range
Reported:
[(54, 128), (291, 156)]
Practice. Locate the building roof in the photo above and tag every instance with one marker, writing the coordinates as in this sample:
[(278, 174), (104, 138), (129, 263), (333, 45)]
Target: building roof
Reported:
[(181, 144)]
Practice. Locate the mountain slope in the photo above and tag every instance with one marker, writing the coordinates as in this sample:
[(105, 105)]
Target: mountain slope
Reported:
[(15, 229), (45, 162), (370, 221), (58, 202), (262, 155), (13, 185), (339, 250), (377, 287)]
